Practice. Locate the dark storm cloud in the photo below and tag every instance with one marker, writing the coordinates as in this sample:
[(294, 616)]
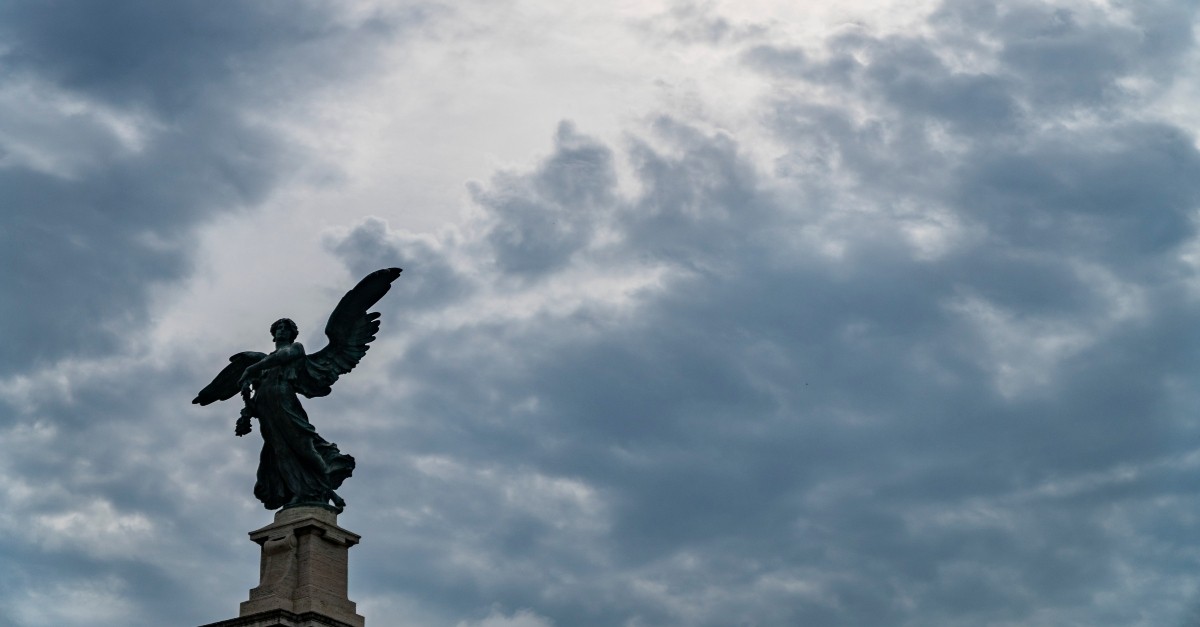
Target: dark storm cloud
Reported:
[(1074, 57), (83, 239), (1128, 189), (538, 222), (815, 416)]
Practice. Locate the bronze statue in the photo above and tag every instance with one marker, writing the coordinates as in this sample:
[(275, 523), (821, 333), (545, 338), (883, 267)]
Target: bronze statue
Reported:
[(297, 466)]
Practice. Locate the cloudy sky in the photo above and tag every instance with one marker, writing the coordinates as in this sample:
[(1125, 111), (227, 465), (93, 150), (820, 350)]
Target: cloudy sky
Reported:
[(762, 313)]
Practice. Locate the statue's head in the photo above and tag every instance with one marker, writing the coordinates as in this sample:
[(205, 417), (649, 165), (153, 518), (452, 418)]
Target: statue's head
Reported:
[(286, 328)]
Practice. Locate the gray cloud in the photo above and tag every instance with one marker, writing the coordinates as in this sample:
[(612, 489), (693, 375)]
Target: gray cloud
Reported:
[(536, 223), (124, 127), (966, 410), (143, 130), (431, 280), (928, 367)]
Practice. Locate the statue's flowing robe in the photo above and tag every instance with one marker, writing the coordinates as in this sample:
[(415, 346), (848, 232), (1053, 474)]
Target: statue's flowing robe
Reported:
[(296, 464)]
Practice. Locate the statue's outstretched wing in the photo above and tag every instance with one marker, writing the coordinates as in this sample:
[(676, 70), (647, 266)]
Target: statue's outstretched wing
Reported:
[(225, 385), (350, 329)]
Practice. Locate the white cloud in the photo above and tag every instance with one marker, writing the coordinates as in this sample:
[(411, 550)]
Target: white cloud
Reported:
[(60, 133), (95, 528), (89, 602), (519, 618)]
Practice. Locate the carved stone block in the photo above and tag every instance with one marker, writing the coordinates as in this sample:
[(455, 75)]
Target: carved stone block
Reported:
[(302, 574)]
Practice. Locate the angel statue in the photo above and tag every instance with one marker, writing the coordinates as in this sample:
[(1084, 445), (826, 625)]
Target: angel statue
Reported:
[(298, 467)]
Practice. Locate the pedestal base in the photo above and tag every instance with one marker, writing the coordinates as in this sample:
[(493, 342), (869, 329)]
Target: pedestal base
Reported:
[(302, 575), (281, 618)]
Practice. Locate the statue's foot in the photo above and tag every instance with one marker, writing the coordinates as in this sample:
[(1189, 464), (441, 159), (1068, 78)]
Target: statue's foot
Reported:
[(313, 500)]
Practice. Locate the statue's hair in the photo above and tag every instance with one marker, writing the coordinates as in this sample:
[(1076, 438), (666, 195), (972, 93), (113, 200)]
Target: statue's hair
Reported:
[(287, 322)]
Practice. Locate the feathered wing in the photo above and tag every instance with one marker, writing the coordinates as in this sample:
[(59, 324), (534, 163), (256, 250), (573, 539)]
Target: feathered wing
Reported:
[(350, 329), (225, 385)]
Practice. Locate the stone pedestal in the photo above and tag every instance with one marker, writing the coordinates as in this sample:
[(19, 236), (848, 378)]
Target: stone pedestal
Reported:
[(302, 575)]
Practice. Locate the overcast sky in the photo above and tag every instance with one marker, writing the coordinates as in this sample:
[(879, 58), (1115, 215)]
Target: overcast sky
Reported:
[(763, 313)]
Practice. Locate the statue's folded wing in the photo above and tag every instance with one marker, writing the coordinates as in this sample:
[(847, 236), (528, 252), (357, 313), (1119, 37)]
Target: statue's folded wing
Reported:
[(225, 385), (350, 329)]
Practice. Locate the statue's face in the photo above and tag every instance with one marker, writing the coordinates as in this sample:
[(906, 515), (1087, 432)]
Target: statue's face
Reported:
[(282, 333)]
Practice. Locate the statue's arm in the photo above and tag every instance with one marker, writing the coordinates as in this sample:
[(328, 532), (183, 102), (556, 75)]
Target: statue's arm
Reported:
[(226, 384), (287, 354)]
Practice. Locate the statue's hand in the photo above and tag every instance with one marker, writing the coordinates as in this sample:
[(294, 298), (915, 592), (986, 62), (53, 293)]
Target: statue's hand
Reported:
[(248, 376), (243, 426), (245, 384)]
